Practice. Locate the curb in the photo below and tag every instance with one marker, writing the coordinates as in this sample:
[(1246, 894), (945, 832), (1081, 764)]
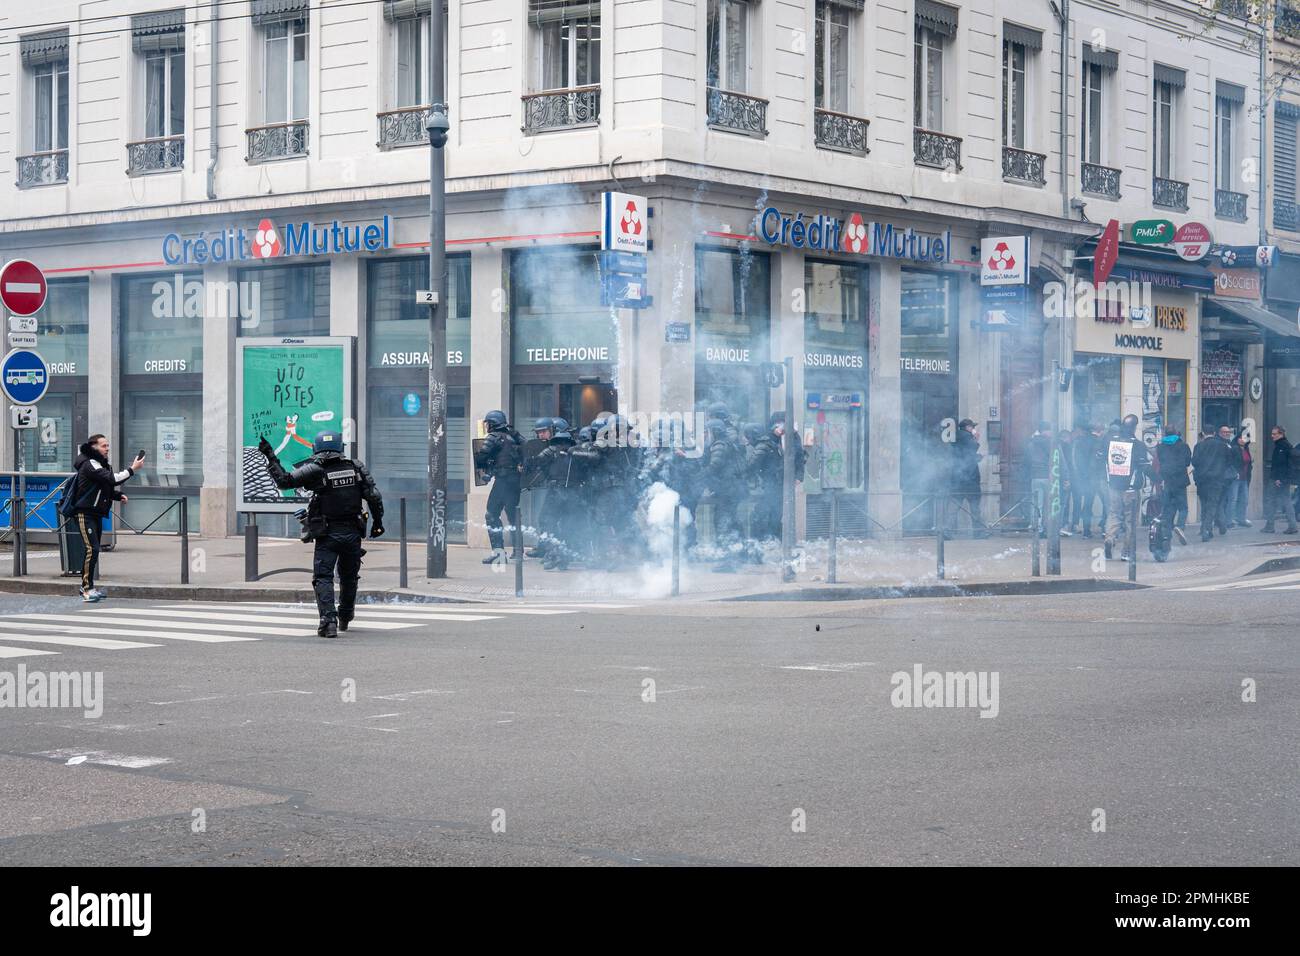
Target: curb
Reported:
[(155, 592), (1289, 563), (986, 589)]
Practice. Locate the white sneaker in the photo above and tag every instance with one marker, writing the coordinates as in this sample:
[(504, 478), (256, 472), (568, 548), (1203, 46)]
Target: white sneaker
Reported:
[(102, 594), (91, 597), (1066, 534)]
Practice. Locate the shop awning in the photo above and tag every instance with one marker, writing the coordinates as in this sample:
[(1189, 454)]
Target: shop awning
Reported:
[(1262, 317)]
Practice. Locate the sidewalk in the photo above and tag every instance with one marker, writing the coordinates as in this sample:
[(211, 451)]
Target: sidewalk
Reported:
[(148, 567)]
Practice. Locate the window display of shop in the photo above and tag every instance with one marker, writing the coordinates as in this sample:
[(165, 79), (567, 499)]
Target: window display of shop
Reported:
[(1097, 389), (285, 300), (835, 394), (62, 340), (397, 346), (733, 318), (561, 338), (1164, 399), (928, 311), (161, 354), (1221, 388), (1282, 384)]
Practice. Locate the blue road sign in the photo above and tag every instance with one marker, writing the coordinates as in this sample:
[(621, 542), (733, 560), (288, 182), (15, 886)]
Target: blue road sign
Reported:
[(24, 377)]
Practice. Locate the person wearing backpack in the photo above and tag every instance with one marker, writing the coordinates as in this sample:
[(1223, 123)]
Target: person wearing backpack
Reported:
[(93, 490)]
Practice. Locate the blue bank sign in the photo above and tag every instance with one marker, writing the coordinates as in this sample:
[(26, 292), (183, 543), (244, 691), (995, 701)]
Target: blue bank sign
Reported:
[(270, 241), (853, 235)]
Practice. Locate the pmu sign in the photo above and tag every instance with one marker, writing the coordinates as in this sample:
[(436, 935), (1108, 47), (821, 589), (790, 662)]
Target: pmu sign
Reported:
[(22, 287)]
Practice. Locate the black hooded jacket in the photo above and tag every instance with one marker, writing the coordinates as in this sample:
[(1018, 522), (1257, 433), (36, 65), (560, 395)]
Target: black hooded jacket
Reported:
[(95, 488)]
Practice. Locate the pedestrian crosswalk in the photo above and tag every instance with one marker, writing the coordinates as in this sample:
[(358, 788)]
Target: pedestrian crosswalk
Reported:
[(1273, 582), (115, 628)]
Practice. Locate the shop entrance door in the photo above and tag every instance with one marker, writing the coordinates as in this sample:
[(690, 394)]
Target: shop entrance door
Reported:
[(1222, 411), (1022, 403), (578, 404)]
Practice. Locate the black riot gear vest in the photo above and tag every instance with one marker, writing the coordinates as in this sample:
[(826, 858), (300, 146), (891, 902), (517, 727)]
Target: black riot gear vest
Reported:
[(339, 496)]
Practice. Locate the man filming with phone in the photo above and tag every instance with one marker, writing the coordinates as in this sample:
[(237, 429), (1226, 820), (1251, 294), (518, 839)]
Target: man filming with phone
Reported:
[(90, 497)]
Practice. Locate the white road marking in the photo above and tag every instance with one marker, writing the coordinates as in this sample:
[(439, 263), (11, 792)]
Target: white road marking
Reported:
[(366, 619), (24, 652), (305, 621), (100, 643), (157, 625), (154, 630), (1263, 582), (102, 757)]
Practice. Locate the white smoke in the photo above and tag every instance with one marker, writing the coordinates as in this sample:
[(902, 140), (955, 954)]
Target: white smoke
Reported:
[(655, 515)]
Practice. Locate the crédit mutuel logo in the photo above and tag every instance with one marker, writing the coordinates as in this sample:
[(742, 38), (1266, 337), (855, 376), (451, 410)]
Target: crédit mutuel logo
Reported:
[(272, 241)]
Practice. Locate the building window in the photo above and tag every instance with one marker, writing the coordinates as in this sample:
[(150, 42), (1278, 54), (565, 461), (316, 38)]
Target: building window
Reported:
[(567, 44), (834, 39), (728, 40), (1090, 113), (1162, 124), (410, 62), (733, 318), (1014, 57), (927, 86), (285, 80), (286, 300), (50, 106), (398, 332), (556, 315), (164, 94), (1224, 173)]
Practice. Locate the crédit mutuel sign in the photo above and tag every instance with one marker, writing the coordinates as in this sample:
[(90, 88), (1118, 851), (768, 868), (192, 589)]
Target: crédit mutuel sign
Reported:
[(269, 241), (854, 235)]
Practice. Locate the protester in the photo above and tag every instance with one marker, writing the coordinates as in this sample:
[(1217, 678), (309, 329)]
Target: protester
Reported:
[(1174, 458), (1127, 463), (1239, 487), (1212, 469), (1090, 477), (964, 486), (1277, 489)]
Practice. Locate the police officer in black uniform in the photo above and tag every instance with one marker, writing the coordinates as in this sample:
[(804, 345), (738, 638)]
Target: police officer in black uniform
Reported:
[(503, 455), (534, 481), (334, 521)]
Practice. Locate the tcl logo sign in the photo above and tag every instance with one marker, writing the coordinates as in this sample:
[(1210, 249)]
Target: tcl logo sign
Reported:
[(1192, 241)]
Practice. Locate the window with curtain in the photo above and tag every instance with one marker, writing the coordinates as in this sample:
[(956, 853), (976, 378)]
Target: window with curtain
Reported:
[(285, 78), (927, 80), (1225, 177), (1090, 113), (1163, 126), (567, 43), (727, 35), (50, 85), (1014, 57), (164, 91), (412, 36), (834, 42)]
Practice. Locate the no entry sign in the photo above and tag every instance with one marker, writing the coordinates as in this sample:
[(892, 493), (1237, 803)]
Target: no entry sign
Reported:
[(22, 287)]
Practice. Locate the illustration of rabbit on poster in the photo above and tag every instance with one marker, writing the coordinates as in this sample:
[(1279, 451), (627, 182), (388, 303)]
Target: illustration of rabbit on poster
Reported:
[(288, 393)]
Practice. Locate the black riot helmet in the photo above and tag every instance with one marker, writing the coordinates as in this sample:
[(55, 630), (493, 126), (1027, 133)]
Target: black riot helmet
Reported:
[(496, 420), (327, 441), (544, 424), (562, 436), (752, 431), (558, 425), (587, 434), (720, 411)]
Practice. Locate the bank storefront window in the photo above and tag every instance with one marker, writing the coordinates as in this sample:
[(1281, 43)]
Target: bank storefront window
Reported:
[(733, 319), (556, 317), (62, 340), (162, 394), (285, 300), (835, 393), (1096, 386), (928, 386), (397, 389)]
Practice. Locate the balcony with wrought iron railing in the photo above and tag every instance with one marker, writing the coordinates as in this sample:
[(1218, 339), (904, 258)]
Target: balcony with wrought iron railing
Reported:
[(1168, 193), (47, 168), (407, 126), (938, 150), (155, 155), (1023, 166), (1286, 215), (737, 112), (1098, 180), (277, 141), (840, 132), (1230, 205), (561, 109)]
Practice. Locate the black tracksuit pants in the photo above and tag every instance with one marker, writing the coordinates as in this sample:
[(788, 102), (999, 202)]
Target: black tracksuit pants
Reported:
[(91, 528)]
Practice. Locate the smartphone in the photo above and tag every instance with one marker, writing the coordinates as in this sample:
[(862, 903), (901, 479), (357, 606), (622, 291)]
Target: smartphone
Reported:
[(140, 453)]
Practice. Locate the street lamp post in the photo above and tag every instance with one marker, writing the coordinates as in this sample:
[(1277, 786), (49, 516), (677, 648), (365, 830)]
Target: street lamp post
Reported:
[(438, 124)]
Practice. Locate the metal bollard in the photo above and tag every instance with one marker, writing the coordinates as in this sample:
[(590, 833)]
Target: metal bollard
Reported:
[(250, 548), (1132, 540), (185, 540), (519, 561), (940, 536), (1034, 566), (401, 543), (677, 550), (832, 544), (17, 511)]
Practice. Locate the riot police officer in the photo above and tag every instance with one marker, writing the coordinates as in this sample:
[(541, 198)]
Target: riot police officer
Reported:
[(502, 454), (724, 471), (534, 480), (561, 484), (334, 521)]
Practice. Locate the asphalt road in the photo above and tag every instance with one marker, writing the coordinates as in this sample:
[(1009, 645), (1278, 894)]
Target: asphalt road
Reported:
[(533, 739)]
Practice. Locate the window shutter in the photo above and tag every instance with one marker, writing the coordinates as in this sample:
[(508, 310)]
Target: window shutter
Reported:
[(266, 12), (158, 32), (1169, 75), (1027, 38), (855, 5), (1106, 59), (1284, 129), (548, 11), (43, 48), (1230, 92), (939, 17), (406, 9)]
